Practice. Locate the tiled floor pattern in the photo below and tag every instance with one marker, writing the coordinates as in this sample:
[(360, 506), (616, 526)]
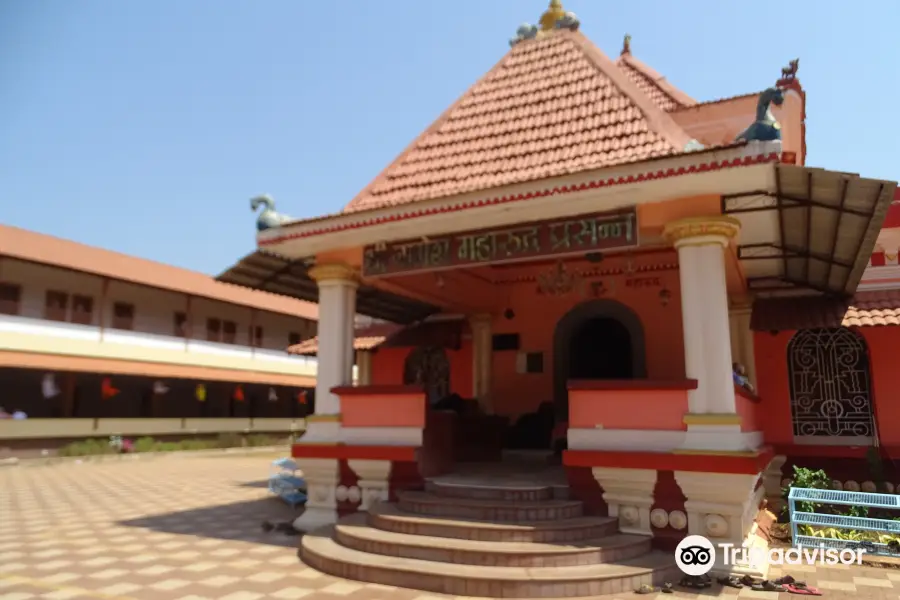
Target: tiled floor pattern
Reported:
[(189, 529)]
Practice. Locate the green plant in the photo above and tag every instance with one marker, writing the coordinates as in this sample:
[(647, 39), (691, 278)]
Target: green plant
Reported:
[(88, 447), (876, 468), (145, 444), (807, 478)]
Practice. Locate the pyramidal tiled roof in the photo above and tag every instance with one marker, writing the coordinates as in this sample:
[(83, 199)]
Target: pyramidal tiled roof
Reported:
[(664, 94), (552, 106)]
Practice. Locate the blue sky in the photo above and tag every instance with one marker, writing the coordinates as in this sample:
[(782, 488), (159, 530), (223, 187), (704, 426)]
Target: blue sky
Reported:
[(145, 126)]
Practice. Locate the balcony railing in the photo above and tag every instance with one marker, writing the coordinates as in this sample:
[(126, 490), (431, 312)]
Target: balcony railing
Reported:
[(11, 327)]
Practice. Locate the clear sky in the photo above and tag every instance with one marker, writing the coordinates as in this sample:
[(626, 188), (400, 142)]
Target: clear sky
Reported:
[(144, 126)]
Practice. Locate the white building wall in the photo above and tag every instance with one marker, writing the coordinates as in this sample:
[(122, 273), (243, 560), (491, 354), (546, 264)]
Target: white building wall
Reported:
[(154, 318)]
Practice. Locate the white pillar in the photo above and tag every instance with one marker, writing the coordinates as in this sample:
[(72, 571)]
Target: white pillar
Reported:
[(482, 356), (704, 308), (337, 310)]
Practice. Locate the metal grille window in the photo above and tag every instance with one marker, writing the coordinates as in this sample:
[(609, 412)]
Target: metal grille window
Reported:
[(830, 384)]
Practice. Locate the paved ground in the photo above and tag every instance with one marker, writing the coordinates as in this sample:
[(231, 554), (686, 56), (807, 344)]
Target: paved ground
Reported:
[(188, 529)]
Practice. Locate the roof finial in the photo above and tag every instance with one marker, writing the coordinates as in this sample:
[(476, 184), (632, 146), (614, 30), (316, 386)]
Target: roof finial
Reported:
[(626, 45), (554, 13)]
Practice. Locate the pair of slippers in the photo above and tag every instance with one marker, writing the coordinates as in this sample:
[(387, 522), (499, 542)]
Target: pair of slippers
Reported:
[(782, 584), (286, 527)]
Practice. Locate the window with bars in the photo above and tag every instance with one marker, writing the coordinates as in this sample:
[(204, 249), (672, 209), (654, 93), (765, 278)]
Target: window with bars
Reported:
[(82, 309), (123, 316), (56, 305), (180, 324), (213, 330), (10, 298), (229, 332)]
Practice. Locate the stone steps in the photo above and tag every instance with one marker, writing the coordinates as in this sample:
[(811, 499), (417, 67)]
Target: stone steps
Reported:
[(426, 503), (322, 552), (509, 539), (388, 517), (515, 493), (355, 533)]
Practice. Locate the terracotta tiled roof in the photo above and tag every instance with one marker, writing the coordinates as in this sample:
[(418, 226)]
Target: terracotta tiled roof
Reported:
[(871, 308), (66, 254), (665, 95), (365, 339), (552, 106), (874, 308)]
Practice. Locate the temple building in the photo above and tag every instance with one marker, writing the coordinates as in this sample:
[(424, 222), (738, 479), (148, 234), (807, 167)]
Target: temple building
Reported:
[(95, 343), (579, 257)]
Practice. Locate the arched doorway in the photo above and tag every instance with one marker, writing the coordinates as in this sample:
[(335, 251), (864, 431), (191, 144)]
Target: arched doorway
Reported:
[(428, 366), (830, 385), (598, 339)]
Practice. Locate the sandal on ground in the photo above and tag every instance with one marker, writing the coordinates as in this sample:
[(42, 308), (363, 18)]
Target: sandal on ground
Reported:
[(785, 580), (801, 588), (767, 586), (645, 589), (733, 582), (667, 588), (747, 581)]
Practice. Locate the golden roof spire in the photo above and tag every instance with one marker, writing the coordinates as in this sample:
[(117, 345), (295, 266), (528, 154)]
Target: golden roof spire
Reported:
[(626, 45), (554, 13)]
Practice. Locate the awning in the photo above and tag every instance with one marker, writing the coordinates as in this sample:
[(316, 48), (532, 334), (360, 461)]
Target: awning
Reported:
[(868, 309), (365, 339), (813, 230), (271, 273), (443, 334)]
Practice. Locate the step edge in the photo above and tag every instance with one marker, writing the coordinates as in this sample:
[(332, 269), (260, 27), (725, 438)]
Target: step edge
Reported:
[(416, 566), (491, 547), (549, 525)]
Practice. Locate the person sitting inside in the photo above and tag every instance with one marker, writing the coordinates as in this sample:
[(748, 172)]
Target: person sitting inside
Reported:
[(739, 373)]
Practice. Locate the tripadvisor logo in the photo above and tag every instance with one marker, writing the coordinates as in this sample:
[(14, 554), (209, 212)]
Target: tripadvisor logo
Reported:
[(696, 555)]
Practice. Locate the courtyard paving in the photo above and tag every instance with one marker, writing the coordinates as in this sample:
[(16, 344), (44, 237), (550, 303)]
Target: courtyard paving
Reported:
[(189, 529)]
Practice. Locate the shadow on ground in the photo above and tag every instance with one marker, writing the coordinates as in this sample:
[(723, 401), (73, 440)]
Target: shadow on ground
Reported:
[(262, 484), (241, 521)]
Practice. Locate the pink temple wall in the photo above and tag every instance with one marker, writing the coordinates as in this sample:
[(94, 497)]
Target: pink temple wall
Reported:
[(535, 320)]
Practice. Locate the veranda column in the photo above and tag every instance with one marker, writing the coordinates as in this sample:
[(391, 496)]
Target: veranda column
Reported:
[(707, 337), (481, 361), (337, 311)]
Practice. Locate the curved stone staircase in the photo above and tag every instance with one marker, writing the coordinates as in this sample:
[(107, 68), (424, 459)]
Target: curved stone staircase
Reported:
[(495, 540)]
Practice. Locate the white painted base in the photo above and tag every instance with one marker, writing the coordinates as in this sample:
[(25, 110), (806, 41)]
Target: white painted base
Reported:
[(321, 432), (629, 495), (314, 517), (698, 437), (382, 436), (722, 438)]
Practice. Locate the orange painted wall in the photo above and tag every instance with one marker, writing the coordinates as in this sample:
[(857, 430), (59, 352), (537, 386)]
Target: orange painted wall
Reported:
[(774, 413), (387, 367), (535, 320)]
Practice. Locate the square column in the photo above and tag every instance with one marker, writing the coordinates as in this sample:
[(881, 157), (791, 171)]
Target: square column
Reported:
[(482, 357), (712, 422), (337, 311)]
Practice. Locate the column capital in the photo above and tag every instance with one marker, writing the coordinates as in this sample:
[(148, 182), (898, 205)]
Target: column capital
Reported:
[(320, 273), (691, 231)]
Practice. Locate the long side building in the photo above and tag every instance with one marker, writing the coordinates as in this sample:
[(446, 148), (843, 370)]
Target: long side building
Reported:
[(95, 343)]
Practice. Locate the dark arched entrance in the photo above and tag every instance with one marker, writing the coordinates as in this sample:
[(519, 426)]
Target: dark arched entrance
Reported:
[(598, 339)]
